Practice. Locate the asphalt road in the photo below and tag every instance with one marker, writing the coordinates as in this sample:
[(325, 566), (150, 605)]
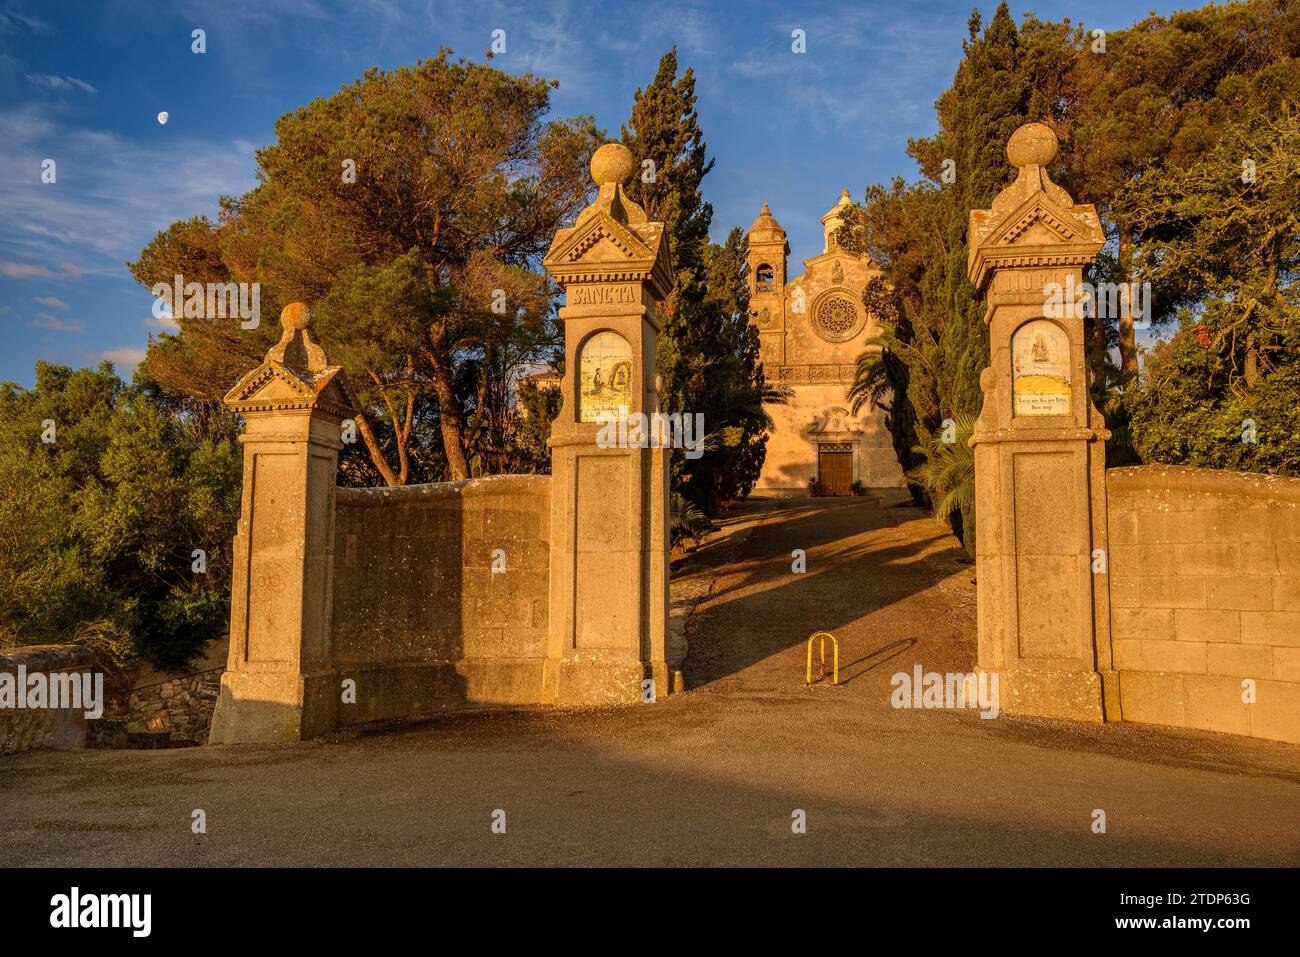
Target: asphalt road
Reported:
[(711, 777)]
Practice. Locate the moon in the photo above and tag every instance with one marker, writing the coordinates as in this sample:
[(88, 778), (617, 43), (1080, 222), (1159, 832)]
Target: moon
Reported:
[(162, 117)]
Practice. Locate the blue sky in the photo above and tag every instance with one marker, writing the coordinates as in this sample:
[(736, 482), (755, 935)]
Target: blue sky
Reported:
[(83, 83)]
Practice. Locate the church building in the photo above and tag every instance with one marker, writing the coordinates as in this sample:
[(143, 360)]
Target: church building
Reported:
[(812, 329)]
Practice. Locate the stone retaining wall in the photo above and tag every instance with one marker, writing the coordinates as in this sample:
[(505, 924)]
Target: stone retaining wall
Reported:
[(176, 712), (28, 729), (1205, 598)]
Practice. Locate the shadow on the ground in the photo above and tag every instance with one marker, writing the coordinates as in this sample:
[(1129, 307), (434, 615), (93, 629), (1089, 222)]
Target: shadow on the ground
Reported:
[(640, 786), (858, 563)]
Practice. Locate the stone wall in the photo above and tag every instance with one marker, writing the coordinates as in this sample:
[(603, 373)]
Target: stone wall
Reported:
[(175, 712), (27, 729), (421, 622), (1205, 593)]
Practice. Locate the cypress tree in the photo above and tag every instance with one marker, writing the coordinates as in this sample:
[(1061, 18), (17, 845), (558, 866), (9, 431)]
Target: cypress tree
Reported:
[(707, 357)]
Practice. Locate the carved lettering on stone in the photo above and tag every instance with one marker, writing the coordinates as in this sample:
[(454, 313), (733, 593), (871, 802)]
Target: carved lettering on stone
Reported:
[(602, 295)]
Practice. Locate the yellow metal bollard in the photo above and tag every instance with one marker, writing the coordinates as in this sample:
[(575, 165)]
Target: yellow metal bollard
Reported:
[(835, 645)]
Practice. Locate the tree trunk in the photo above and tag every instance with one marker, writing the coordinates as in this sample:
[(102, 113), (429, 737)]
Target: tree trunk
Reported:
[(453, 442), (1128, 356), (377, 453), (1252, 361)]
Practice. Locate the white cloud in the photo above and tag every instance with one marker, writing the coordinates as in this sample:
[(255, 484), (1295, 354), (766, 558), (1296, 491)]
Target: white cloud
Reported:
[(51, 301), (13, 22), (44, 320), (111, 197), (16, 270), (163, 323), (49, 81), (551, 48), (124, 359)]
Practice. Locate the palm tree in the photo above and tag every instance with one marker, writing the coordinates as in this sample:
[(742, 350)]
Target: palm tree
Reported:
[(687, 520), (948, 476)]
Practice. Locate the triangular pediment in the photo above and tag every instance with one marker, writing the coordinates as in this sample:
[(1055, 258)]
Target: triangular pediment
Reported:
[(1039, 221), (1032, 222), (332, 388), (601, 249), (599, 239), (827, 261), (274, 385)]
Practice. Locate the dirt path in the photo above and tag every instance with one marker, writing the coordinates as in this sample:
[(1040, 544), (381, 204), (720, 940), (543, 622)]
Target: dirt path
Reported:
[(867, 581)]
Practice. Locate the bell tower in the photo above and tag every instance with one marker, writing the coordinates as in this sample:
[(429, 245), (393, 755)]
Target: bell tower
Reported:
[(768, 250), (833, 220)]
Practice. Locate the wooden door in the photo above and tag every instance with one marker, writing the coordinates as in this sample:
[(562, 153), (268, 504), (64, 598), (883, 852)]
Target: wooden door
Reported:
[(834, 469)]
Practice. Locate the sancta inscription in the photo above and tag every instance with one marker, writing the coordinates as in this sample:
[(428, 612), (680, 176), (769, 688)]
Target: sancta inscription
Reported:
[(623, 294)]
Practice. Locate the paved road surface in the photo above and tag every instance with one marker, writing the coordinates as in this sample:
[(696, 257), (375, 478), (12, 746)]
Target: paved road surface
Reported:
[(712, 776)]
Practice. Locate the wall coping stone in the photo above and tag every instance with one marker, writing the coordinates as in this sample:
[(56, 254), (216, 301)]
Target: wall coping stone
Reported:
[(46, 658), (487, 485), (1186, 478)]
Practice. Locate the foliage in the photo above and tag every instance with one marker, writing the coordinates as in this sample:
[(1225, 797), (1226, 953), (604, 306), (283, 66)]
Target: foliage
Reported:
[(924, 366), (97, 528), (536, 409), (947, 473), (708, 354), (1154, 129), (1231, 247), (1155, 101), (687, 521), (423, 266)]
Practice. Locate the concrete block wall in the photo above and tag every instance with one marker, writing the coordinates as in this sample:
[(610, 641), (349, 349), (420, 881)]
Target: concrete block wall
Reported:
[(421, 621), (1205, 593)]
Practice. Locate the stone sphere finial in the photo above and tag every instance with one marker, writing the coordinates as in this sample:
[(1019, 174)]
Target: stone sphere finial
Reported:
[(612, 163), (295, 317), (1034, 144)]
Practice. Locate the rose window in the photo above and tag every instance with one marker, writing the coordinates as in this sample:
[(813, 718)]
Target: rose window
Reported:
[(836, 318)]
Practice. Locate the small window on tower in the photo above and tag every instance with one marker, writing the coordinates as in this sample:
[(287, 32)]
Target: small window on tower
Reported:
[(765, 278)]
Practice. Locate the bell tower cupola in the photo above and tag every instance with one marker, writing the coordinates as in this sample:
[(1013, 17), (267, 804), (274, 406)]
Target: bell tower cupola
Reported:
[(768, 250), (833, 220)]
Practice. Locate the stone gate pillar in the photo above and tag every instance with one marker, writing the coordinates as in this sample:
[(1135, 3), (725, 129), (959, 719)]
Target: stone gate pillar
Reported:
[(280, 684), (1039, 444), (609, 504)]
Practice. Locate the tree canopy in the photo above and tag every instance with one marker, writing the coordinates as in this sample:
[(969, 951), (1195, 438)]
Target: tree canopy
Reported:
[(412, 209), (108, 497), (1156, 122)]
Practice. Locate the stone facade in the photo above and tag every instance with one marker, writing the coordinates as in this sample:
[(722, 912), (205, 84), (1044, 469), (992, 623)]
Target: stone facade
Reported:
[(175, 712), (609, 510), (1205, 599), (280, 684), (351, 606), (812, 329), (441, 595)]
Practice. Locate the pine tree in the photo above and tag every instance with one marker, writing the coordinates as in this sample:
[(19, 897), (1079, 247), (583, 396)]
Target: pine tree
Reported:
[(459, 183)]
